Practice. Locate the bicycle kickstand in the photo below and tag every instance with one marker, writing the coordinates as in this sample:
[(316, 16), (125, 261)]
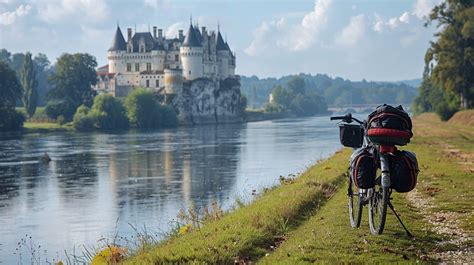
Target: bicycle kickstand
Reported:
[(400, 220)]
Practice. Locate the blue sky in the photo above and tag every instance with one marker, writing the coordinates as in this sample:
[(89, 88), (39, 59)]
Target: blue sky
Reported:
[(371, 39)]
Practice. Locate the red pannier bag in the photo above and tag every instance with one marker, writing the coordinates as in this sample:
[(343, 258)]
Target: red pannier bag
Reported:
[(388, 125)]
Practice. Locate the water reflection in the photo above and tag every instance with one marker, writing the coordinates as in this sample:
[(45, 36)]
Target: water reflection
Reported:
[(141, 177)]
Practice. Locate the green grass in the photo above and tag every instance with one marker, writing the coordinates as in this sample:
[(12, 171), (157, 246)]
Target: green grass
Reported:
[(328, 238), (249, 232), (44, 127)]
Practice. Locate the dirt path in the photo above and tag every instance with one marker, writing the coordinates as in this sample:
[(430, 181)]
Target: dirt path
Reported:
[(445, 224)]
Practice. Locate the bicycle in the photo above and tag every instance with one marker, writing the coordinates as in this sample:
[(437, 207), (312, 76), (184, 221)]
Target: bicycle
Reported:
[(378, 197)]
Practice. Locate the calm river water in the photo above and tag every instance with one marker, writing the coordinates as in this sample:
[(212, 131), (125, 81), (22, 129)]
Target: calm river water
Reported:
[(99, 184)]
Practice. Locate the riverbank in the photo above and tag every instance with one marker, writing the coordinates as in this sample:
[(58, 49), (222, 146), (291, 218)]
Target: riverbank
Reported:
[(305, 219)]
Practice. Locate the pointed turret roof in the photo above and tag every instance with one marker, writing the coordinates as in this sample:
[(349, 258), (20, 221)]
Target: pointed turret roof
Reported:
[(198, 33), (220, 46), (191, 39), (118, 43)]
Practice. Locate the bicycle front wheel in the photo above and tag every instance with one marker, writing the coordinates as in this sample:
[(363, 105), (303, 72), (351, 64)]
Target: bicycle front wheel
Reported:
[(378, 209), (355, 204)]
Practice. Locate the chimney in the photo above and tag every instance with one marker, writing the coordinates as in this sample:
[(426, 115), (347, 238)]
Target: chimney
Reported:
[(160, 33), (129, 33), (203, 31), (154, 32), (180, 33)]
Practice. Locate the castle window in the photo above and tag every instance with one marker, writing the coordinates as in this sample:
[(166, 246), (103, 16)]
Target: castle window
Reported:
[(157, 82), (137, 67), (189, 72), (147, 83), (176, 57), (129, 67), (148, 66)]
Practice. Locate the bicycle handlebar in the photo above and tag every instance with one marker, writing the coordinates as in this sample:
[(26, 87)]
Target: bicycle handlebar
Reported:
[(346, 118), (338, 118)]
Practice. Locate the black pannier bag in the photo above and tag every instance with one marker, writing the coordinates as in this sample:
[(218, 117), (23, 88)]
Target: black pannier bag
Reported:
[(404, 171), (363, 168), (388, 125), (351, 135)]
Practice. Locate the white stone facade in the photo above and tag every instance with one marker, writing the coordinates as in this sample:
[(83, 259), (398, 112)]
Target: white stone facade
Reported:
[(148, 59)]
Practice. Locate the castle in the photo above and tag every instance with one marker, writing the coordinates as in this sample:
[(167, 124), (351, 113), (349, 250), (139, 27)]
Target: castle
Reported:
[(162, 64)]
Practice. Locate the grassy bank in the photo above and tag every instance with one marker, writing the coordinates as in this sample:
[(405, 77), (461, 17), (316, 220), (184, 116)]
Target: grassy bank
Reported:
[(305, 219), (45, 127)]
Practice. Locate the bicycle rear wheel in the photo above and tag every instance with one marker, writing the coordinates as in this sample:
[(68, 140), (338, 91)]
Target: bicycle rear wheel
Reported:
[(378, 209), (355, 204)]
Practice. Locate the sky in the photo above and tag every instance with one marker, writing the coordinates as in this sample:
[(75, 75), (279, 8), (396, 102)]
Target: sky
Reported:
[(381, 40)]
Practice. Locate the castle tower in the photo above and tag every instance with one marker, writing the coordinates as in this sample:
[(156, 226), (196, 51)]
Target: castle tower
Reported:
[(118, 47), (173, 81), (224, 55), (191, 52)]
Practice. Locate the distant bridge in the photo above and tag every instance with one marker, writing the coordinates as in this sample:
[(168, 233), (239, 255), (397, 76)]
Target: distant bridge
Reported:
[(362, 107)]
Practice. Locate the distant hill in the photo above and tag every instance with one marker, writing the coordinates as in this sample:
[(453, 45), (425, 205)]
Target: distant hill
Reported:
[(412, 82), (336, 91)]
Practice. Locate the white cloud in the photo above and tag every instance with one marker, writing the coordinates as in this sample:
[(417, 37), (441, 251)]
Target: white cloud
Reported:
[(404, 18), (353, 32), (157, 3), (173, 29), (422, 8), (379, 24), (279, 34), (9, 17), (89, 10), (392, 23)]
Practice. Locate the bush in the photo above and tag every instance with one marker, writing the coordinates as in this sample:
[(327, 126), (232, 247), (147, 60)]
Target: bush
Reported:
[(144, 112), (108, 113), (82, 121), (57, 108), (10, 119), (60, 120), (273, 107)]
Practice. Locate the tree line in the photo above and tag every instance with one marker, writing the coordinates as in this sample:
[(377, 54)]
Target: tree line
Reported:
[(66, 90), (296, 98), (448, 79), (335, 91)]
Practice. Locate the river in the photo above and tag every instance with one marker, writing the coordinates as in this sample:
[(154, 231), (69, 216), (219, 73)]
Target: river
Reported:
[(102, 184)]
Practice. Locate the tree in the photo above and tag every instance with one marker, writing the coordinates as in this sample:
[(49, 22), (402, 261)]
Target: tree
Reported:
[(10, 91), (452, 54), (72, 82), (29, 84), (144, 111), (108, 113), (296, 85)]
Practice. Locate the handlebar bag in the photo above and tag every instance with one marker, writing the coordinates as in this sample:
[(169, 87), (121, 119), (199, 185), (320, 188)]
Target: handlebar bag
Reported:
[(403, 171), (351, 135), (389, 125), (363, 168)]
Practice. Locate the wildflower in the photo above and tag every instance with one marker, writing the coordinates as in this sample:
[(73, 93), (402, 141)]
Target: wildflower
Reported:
[(185, 229)]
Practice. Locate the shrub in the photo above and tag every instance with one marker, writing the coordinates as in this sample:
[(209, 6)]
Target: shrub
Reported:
[(108, 113), (82, 121), (144, 112), (56, 108), (10, 119), (60, 120)]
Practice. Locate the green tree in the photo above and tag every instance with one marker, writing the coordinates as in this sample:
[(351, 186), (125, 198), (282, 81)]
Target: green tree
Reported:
[(452, 54), (296, 85), (10, 91), (82, 121), (72, 82), (108, 113), (144, 111), (29, 84)]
